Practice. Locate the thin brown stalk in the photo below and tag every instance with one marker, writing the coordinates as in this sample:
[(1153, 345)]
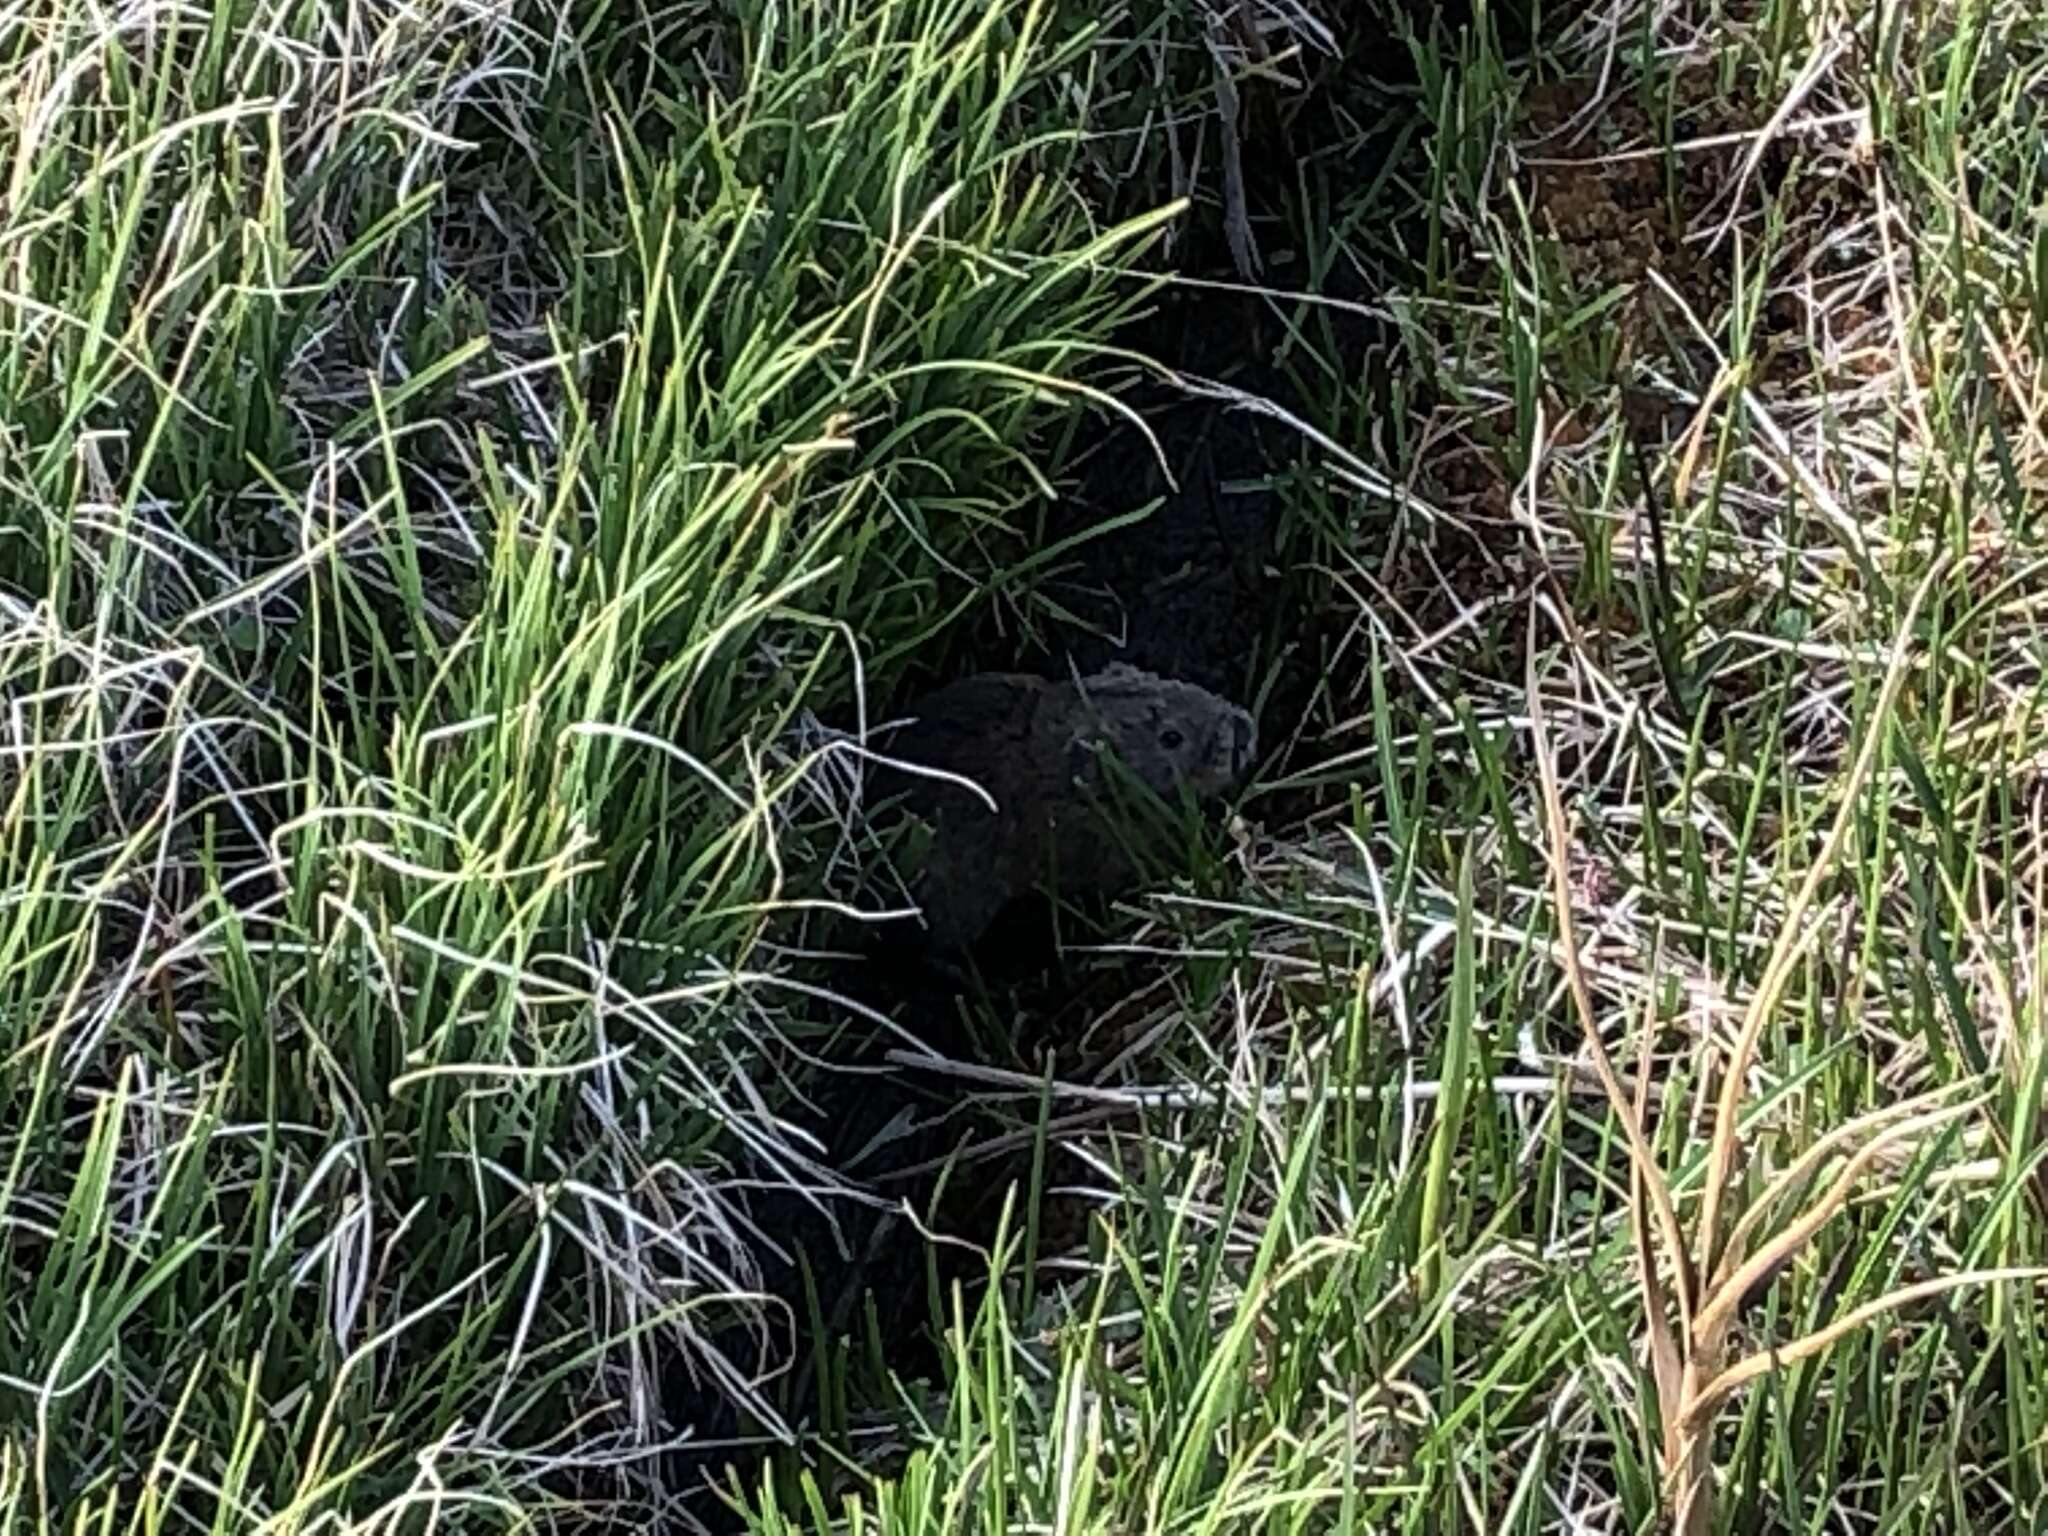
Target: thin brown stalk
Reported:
[(1750, 1367), (1643, 1159), (1720, 1307), (1796, 934)]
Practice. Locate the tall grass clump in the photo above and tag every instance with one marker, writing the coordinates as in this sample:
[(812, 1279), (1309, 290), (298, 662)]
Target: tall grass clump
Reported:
[(445, 450), (452, 459), (1615, 1104)]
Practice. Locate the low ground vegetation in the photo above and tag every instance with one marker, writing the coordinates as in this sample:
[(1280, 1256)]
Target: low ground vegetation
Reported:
[(467, 469)]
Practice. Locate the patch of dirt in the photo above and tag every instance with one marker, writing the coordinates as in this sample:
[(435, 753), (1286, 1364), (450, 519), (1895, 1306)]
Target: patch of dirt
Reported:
[(1618, 206), (1614, 205), (1632, 198)]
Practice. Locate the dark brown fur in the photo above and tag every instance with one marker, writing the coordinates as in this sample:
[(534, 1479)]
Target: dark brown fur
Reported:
[(1038, 750)]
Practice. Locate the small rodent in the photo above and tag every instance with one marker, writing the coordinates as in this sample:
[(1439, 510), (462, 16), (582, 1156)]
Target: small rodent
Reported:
[(1037, 749)]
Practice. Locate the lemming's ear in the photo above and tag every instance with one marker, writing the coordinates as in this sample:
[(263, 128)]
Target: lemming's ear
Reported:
[(1116, 678)]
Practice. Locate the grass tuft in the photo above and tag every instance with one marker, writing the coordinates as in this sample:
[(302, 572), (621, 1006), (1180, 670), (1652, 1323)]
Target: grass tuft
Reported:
[(469, 474)]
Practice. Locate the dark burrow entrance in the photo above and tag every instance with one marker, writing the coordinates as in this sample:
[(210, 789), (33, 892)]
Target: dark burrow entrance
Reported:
[(1221, 583)]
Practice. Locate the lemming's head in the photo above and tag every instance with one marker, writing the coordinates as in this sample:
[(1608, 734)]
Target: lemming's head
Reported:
[(1166, 732)]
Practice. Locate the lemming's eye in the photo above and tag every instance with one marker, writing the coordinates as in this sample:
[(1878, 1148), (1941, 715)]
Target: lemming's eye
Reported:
[(1171, 739)]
